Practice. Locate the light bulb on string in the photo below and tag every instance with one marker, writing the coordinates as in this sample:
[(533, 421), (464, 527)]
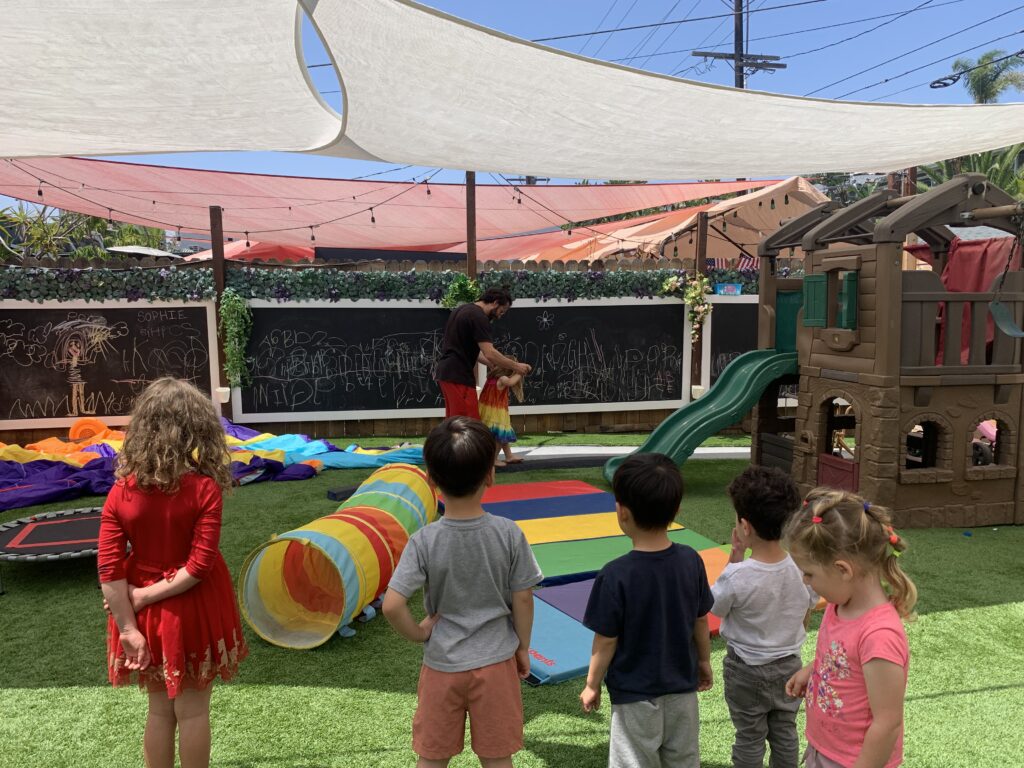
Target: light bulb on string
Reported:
[(312, 236), (40, 190), (428, 188), (247, 240), (177, 238), (373, 220)]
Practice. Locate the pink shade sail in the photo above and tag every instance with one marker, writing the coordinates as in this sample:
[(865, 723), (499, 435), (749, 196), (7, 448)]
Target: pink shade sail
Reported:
[(336, 212), (257, 251)]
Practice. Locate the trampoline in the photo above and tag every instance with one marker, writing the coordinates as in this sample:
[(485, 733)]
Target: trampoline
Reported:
[(62, 535)]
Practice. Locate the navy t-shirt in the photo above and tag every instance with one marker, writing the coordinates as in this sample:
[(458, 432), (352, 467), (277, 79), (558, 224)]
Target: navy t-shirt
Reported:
[(650, 602), (467, 326)]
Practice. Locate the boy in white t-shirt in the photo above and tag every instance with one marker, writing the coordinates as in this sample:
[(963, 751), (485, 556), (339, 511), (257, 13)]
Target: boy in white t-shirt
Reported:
[(763, 604)]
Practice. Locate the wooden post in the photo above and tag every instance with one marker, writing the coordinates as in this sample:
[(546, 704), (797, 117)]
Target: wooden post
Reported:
[(909, 189), (700, 263), (471, 224), (217, 241)]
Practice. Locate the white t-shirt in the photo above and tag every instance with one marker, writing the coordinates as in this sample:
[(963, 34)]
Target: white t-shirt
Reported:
[(762, 607)]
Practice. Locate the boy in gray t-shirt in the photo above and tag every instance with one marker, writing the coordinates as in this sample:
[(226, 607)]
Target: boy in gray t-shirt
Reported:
[(763, 604), (477, 572)]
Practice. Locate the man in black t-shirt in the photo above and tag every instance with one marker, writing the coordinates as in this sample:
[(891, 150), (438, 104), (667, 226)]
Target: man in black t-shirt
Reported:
[(467, 339)]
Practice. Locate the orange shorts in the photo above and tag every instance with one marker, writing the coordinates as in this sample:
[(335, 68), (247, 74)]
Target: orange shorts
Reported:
[(491, 696)]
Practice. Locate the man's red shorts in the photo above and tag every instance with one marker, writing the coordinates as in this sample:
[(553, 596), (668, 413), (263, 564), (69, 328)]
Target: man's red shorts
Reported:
[(459, 400)]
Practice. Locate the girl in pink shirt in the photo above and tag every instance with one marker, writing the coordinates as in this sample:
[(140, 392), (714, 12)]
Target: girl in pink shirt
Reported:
[(849, 554)]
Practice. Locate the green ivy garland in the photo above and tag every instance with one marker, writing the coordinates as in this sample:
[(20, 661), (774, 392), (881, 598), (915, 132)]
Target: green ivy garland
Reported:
[(44, 284), (171, 284), (461, 290), (235, 327)]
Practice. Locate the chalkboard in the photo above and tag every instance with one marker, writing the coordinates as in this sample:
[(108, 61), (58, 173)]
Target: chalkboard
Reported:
[(61, 363), (733, 332), (624, 353), (344, 358)]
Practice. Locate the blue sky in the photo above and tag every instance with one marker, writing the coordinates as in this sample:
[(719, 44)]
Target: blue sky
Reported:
[(940, 27)]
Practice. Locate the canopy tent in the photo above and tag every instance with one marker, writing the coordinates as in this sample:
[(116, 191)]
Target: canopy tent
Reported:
[(240, 250), (735, 227), (283, 209), (425, 88)]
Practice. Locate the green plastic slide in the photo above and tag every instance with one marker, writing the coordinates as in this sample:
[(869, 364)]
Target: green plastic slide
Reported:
[(735, 392)]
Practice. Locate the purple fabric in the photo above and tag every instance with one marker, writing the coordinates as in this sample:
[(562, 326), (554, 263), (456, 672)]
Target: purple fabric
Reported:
[(44, 481), (238, 431), (102, 449), (296, 472), (570, 599)]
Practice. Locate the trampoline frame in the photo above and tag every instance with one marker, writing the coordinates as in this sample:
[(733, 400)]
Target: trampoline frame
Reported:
[(35, 558)]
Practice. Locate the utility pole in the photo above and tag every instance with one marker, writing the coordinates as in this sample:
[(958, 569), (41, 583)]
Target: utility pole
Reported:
[(741, 60)]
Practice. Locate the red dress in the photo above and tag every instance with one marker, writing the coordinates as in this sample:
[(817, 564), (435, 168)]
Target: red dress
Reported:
[(193, 637)]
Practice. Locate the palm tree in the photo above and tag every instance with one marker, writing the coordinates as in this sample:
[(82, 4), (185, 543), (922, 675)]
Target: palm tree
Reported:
[(1000, 165), (30, 231), (987, 80)]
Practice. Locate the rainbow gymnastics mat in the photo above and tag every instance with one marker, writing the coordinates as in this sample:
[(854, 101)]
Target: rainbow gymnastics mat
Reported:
[(572, 529)]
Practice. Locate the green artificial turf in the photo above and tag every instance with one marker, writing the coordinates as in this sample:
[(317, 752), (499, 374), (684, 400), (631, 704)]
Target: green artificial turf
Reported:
[(555, 439), (350, 702)]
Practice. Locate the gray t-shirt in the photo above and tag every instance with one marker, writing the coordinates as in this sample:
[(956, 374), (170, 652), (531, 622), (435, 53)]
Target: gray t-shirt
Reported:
[(762, 607), (470, 569)]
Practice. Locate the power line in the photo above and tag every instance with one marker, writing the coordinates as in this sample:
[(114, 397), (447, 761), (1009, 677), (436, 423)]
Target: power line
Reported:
[(667, 38), (652, 32), (669, 23), (915, 50), (788, 34), (948, 80), (860, 34), (621, 19), (925, 66), (606, 14)]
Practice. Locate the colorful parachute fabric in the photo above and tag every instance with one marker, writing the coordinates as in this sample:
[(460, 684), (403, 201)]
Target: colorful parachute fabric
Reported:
[(57, 469)]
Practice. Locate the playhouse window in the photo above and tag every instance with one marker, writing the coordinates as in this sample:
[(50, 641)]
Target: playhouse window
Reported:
[(986, 447), (922, 446), (830, 300)]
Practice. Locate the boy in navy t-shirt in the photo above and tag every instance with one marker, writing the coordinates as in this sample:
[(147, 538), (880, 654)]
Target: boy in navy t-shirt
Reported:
[(648, 610)]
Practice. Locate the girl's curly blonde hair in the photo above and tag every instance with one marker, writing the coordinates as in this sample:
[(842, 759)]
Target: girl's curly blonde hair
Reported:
[(174, 429), (833, 525)]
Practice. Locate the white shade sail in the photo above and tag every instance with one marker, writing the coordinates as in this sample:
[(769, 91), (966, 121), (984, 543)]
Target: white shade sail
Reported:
[(423, 87), (93, 77), (111, 76)]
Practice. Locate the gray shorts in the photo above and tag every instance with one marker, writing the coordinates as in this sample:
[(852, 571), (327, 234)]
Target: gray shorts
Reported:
[(659, 733)]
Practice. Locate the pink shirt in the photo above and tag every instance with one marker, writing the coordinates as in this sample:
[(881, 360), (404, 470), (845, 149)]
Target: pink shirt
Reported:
[(838, 712)]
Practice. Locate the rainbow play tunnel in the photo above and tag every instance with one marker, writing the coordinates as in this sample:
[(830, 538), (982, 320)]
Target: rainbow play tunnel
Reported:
[(302, 586)]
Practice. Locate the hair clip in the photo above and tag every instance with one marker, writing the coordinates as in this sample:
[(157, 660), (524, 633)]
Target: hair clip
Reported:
[(816, 519), (867, 506), (806, 502), (894, 539)]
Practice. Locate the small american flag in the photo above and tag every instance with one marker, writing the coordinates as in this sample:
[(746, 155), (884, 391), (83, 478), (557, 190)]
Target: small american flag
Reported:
[(747, 262)]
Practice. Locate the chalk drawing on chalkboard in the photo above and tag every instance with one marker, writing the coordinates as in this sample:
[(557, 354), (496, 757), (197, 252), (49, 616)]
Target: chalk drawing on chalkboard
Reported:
[(545, 321)]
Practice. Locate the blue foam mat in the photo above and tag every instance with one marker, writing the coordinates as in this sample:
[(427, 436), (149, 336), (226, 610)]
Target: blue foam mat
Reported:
[(555, 506), (560, 646)]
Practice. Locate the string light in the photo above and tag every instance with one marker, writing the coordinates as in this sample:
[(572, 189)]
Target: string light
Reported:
[(40, 190), (428, 188), (247, 240), (372, 219), (177, 238), (312, 237)]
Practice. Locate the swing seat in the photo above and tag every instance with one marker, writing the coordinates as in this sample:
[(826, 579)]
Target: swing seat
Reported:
[(1002, 316)]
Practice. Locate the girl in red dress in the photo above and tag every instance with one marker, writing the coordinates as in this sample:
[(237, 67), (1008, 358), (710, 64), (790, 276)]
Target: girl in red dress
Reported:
[(174, 623)]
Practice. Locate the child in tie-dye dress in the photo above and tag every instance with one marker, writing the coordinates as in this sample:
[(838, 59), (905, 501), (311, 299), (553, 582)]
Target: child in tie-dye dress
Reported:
[(494, 408)]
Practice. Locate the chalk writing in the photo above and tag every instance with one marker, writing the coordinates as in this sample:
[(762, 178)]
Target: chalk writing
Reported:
[(64, 363)]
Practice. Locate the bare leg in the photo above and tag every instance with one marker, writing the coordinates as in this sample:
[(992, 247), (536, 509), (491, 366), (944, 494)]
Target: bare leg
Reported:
[(496, 762), (192, 708), (158, 740), (424, 763)]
